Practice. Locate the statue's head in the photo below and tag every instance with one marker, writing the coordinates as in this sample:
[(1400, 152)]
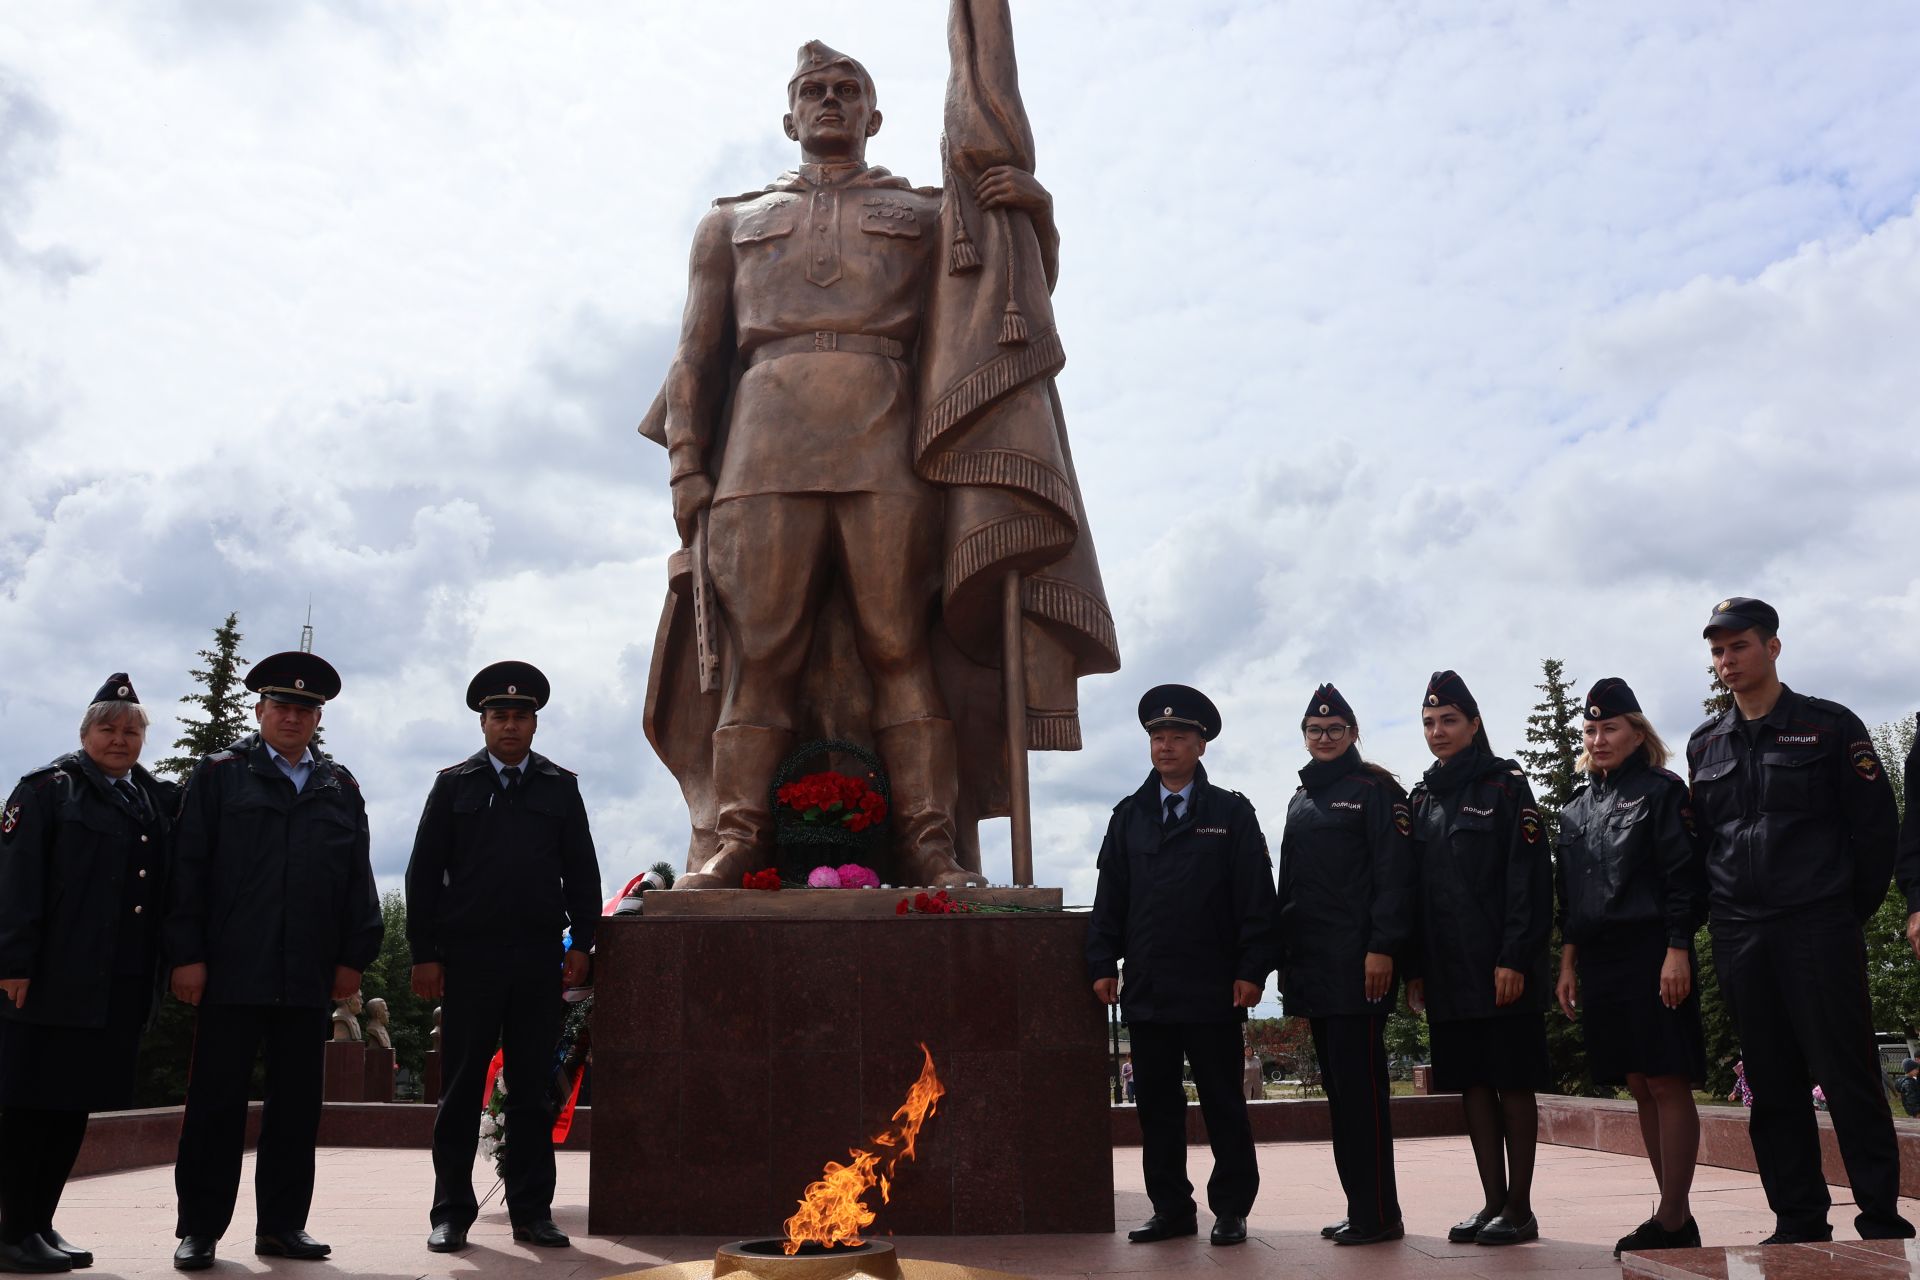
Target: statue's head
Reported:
[(377, 1009), (831, 106)]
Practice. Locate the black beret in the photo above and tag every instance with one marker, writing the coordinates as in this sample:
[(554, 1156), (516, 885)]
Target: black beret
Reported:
[(1326, 701), (508, 684), (1447, 689), (1609, 698), (1176, 704), (117, 689), (1741, 613), (304, 679)]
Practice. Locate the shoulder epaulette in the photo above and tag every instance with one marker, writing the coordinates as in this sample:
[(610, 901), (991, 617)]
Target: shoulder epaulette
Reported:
[(51, 773), (344, 772), (1669, 775), (455, 765), (221, 757)]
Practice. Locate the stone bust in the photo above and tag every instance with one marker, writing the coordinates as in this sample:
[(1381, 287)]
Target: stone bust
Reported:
[(377, 1023), (346, 1018)]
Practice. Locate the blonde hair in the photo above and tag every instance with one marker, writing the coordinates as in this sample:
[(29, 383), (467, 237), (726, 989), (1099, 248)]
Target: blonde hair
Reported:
[(1658, 753)]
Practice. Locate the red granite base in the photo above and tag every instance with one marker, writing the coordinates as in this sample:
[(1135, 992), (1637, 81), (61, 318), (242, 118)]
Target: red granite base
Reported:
[(735, 1057), (1839, 1260), (1607, 1125)]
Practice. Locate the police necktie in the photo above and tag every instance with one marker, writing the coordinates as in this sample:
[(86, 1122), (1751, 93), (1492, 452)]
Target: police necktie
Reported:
[(1173, 811), (510, 778), (131, 794)]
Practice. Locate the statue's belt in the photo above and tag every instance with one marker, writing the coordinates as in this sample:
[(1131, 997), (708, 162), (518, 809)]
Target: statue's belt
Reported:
[(864, 344)]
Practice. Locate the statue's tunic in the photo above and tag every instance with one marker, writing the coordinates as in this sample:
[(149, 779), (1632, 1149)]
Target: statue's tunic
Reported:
[(840, 259)]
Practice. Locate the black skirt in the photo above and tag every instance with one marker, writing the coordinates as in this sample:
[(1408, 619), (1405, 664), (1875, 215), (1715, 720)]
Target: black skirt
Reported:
[(1504, 1052), (77, 1068), (1622, 1021)]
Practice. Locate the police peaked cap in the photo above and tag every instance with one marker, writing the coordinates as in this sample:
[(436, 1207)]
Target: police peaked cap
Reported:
[(303, 679), (117, 689), (1447, 689), (1326, 701), (1741, 613), (1609, 698), (1180, 707), (816, 55), (508, 684)]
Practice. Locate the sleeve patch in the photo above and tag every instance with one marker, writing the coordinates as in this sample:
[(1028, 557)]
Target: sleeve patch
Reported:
[(1530, 826), (1866, 762), (1402, 819), (10, 819)]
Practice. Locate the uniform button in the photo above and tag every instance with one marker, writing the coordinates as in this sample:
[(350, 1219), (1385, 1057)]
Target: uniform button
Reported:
[(143, 839), (138, 910), (143, 873)]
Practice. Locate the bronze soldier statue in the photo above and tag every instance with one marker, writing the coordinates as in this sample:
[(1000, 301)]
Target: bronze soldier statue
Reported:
[(865, 444)]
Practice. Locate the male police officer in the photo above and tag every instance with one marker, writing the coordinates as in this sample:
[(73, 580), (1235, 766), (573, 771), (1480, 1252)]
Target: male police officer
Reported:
[(502, 865), (1800, 824), (272, 915), (1186, 897)]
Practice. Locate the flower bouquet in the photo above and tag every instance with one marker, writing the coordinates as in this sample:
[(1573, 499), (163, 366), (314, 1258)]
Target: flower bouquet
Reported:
[(824, 815)]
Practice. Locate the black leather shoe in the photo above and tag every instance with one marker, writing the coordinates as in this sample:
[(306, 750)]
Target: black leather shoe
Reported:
[(195, 1253), (1162, 1227), (446, 1238), (1503, 1231), (1392, 1231), (289, 1244), (81, 1257), (542, 1233), (1333, 1229), (33, 1256), (1465, 1232), (1784, 1236), (1228, 1229)]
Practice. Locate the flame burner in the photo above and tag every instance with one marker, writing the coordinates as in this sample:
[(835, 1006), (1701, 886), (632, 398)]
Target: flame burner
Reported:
[(768, 1260)]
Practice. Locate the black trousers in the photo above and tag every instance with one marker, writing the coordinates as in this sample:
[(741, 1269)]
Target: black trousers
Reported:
[(1353, 1067), (507, 997), (1797, 989), (37, 1151), (206, 1175), (1214, 1051)]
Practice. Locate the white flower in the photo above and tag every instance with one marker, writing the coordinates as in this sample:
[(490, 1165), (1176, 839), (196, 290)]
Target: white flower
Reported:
[(488, 1125)]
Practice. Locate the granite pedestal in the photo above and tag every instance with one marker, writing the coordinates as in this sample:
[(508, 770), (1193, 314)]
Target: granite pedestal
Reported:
[(735, 1055), (345, 1071)]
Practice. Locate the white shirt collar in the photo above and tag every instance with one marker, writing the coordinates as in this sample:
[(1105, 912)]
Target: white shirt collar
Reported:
[(1185, 793), (500, 766)]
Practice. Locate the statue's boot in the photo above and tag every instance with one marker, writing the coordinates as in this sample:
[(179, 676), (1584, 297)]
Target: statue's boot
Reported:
[(922, 761), (745, 758)]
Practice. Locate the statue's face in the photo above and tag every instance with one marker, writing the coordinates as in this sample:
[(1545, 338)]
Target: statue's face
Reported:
[(832, 112)]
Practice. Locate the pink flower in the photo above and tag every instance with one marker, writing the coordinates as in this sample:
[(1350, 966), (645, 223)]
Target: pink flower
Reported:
[(824, 878), (855, 876)]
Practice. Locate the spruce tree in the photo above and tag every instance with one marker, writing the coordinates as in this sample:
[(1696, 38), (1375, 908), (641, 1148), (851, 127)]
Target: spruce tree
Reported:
[(1553, 732), (1890, 963), (1553, 735), (223, 702), (1719, 699)]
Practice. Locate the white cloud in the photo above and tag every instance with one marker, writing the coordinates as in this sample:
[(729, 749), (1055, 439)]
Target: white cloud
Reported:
[(1398, 339)]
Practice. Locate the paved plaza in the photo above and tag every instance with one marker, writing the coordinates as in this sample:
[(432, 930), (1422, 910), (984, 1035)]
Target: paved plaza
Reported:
[(371, 1206)]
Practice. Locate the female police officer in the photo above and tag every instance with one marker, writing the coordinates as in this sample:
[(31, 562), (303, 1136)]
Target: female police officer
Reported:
[(1345, 913), (1632, 890), (83, 846), (1486, 898)]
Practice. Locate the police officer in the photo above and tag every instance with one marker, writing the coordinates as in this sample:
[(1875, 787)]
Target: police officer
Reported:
[(1185, 897), (272, 916), (1632, 889), (1909, 855), (83, 847), (502, 865), (1800, 823), (1486, 906), (1345, 913)]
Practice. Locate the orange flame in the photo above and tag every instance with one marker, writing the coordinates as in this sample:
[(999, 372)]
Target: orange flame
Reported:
[(832, 1212)]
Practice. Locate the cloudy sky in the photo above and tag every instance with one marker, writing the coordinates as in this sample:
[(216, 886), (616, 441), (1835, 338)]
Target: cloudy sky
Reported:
[(1399, 337)]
